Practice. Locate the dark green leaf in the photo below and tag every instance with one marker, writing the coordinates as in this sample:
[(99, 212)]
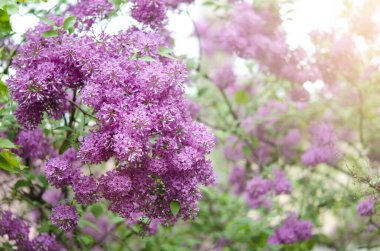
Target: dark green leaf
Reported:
[(96, 210), (86, 239), (5, 25), (175, 206), (21, 183)]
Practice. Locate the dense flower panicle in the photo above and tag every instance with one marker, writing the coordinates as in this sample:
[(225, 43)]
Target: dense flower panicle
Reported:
[(34, 145), (59, 172), (18, 231), (151, 12), (338, 54), (280, 183), (292, 231), (256, 192), (224, 77), (254, 33), (143, 119), (324, 146), (65, 217), (238, 179), (91, 9), (86, 190), (290, 141), (45, 242), (261, 125), (366, 207)]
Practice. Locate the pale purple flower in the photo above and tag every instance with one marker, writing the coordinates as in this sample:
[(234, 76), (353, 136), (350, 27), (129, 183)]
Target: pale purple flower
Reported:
[(292, 231), (65, 217), (280, 183), (366, 207)]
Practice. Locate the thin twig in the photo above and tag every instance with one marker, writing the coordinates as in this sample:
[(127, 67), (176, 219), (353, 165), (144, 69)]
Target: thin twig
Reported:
[(83, 111)]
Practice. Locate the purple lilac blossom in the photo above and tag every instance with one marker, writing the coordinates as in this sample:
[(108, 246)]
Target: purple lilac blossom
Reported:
[(224, 77), (59, 172), (151, 12), (280, 183), (238, 179), (34, 145), (144, 122), (292, 231), (65, 217), (18, 231), (256, 192), (86, 190), (366, 207), (323, 147)]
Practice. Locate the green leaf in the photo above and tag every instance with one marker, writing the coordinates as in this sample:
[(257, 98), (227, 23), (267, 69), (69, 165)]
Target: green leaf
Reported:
[(116, 220), (69, 22), (50, 33), (96, 210), (47, 20), (71, 30), (175, 206), (11, 158), (147, 59), (11, 8), (83, 222), (6, 166), (5, 25), (241, 97), (86, 239), (3, 91), (10, 162), (165, 52), (21, 183), (247, 152), (7, 144)]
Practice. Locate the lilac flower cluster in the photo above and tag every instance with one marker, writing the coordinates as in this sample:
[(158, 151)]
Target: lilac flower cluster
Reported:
[(338, 54), (18, 231), (324, 146), (292, 231), (256, 192), (255, 33), (153, 12), (257, 189), (266, 122), (65, 217), (366, 207), (34, 145), (143, 122), (88, 11), (237, 179)]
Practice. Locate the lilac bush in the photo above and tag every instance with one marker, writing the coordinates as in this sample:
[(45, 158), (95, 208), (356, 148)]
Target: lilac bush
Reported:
[(112, 140)]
